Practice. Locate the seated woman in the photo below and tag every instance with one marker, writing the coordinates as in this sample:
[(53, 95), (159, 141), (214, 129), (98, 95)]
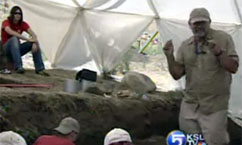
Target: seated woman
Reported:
[(11, 31)]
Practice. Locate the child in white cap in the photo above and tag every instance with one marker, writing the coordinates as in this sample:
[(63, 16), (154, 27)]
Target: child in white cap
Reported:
[(117, 136), (11, 138)]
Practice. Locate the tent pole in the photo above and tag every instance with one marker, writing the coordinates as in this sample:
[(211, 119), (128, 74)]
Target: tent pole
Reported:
[(238, 10), (152, 6), (77, 3), (115, 5)]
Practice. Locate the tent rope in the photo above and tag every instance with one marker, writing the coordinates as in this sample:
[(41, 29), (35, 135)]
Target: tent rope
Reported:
[(238, 10)]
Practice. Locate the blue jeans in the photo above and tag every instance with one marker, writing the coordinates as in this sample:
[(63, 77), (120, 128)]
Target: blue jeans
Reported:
[(14, 50)]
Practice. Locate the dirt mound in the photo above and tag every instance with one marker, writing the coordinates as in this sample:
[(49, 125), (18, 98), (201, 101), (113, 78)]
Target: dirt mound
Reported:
[(35, 111)]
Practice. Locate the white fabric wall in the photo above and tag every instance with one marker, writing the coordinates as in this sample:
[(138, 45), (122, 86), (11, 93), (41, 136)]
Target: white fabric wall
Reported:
[(110, 38), (222, 10)]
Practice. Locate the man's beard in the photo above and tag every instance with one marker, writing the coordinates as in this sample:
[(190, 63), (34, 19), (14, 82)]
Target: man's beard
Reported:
[(199, 33)]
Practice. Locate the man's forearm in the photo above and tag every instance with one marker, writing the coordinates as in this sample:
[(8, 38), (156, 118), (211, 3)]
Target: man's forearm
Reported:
[(176, 70), (229, 63)]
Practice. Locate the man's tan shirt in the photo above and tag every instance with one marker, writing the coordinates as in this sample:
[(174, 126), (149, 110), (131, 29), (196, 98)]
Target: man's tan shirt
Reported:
[(207, 82)]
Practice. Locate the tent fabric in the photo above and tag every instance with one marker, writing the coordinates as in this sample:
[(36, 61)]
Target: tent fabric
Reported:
[(222, 11), (75, 32), (108, 46)]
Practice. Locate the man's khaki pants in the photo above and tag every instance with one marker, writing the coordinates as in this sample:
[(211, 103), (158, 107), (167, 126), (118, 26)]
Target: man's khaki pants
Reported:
[(213, 126)]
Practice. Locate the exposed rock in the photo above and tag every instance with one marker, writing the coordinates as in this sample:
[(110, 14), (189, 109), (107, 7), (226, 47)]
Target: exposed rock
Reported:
[(138, 82)]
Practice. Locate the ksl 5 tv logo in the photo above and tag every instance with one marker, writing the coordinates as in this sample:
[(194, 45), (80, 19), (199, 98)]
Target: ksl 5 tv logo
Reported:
[(177, 137)]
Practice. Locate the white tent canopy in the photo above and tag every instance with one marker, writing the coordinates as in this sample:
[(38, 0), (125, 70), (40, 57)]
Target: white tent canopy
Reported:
[(74, 32)]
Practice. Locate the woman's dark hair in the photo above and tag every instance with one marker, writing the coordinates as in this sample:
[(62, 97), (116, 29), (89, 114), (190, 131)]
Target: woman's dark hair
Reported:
[(13, 12)]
